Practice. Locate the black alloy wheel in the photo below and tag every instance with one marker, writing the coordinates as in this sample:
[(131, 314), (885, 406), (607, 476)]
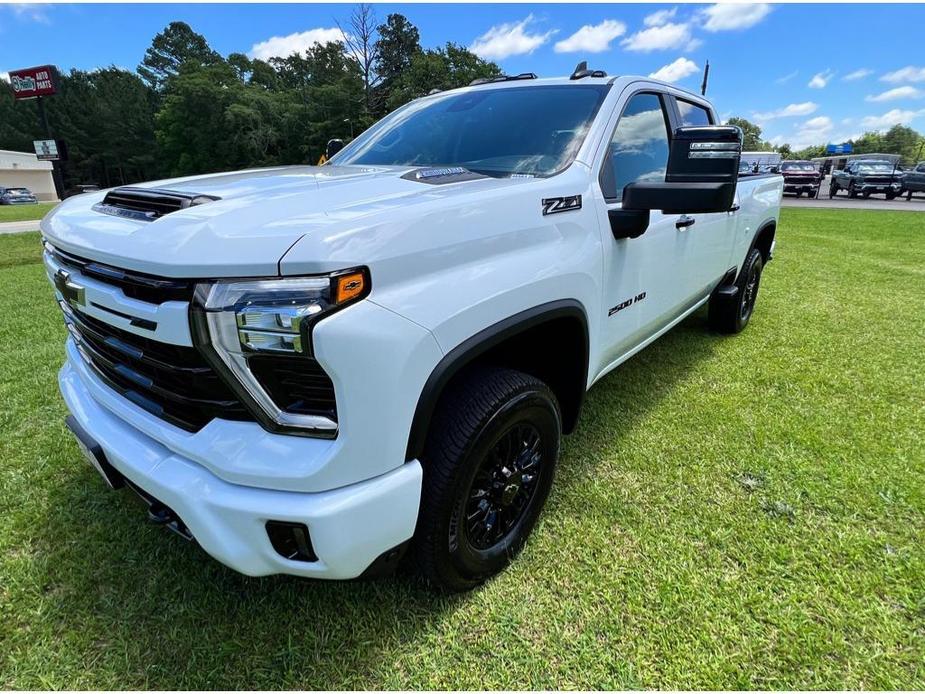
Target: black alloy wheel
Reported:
[(503, 487)]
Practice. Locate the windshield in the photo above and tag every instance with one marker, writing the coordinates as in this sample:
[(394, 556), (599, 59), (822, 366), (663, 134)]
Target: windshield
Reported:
[(797, 167), (534, 131), (874, 166)]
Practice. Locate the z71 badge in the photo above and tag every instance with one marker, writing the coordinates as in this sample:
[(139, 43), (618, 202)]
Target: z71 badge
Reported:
[(564, 204)]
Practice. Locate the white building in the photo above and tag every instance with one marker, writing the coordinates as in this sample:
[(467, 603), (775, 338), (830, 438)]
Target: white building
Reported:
[(24, 170)]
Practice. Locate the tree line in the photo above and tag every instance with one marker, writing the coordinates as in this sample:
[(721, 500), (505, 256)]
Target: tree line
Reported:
[(188, 110), (899, 139)]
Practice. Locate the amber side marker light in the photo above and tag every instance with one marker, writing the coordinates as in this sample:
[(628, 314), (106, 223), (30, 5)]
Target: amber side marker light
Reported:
[(350, 286)]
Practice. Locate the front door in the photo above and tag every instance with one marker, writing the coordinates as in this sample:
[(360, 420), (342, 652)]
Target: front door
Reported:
[(655, 278)]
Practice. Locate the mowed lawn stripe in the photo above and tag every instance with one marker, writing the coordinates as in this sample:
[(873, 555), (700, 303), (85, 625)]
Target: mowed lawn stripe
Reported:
[(732, 512)]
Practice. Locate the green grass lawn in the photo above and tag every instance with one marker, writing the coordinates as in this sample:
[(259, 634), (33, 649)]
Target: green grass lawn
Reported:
[(732, 512), (24, 213)]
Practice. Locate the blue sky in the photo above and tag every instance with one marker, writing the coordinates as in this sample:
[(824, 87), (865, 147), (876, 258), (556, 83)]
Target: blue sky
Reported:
[(808, 74)]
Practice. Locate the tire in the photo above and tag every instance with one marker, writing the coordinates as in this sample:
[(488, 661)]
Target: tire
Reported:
[(799, 193), (833, 190), (852, 193), (865, 195), (476, 514), (909, 196), (732, 315), (891, 196)]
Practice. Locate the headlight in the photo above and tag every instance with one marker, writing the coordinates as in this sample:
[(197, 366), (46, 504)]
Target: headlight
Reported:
[(252, 331)]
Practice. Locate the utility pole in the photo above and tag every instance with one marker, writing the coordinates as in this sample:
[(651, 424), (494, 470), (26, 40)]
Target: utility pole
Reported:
[(55, 164)]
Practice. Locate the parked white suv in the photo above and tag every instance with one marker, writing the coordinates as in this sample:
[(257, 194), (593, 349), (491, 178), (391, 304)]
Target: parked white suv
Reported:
[(311, 370)]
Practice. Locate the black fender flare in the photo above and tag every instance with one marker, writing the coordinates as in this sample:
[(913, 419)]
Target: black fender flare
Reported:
[(473, 347)]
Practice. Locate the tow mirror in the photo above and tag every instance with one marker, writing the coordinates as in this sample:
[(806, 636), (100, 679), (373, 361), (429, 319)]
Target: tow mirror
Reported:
[(703, 167)]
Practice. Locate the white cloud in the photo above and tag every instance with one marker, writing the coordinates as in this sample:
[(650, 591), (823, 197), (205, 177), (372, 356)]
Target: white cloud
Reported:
[(906, 74), (658, 38), (284, 46), (35, 12), (802, 109), (693, 45), (891, 118), (820, 79), (857, 75), (786, 78), (818, 123), (814, 131), (734, 16), (657, 19), (592, 38), (676, 71), (906, 92), (508, 39)]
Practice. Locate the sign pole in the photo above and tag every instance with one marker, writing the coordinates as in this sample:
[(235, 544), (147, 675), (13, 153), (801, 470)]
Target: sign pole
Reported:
[(55, 168)]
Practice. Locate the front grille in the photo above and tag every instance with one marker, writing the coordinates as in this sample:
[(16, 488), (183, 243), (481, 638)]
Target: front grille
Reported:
[(878, 180), (170, 381), (136, 285)]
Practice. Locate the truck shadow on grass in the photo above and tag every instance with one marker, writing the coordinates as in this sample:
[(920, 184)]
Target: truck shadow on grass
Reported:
[(152, 611)]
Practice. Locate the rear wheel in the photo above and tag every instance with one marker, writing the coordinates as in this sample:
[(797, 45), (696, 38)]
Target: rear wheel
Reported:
[(488, 467), (909, 196), (731, 314)]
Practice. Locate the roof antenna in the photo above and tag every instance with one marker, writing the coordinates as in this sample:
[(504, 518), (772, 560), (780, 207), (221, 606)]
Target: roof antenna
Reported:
[(706, 76)]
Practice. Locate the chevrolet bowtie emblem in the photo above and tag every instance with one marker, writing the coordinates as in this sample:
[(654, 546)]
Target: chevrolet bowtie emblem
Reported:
[(72, 293)]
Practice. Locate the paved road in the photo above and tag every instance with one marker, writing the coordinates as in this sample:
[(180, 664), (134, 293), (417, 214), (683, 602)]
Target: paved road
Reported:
[(917, 204), (17, 227)]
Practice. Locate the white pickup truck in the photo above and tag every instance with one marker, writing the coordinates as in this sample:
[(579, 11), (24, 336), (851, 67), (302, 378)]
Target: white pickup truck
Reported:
[(319, 370)]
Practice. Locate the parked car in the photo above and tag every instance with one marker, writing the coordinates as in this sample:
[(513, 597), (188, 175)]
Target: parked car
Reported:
[(865, 177), (914, 180), (82, 188), (800, 177), (17, 196), (312, 370)]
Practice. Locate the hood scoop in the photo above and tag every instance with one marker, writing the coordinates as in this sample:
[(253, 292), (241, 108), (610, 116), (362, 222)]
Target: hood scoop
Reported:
[(148, 204)]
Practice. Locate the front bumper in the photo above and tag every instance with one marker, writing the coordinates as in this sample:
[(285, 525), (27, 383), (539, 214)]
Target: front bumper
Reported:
[(879, 187), (800, 187), (350, 527)]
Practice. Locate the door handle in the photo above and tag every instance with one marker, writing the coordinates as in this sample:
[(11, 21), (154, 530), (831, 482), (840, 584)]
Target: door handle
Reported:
[(684, 221), (735, 208)]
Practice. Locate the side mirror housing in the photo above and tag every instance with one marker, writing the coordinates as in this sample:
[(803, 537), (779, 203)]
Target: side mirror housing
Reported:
[(703, 168)]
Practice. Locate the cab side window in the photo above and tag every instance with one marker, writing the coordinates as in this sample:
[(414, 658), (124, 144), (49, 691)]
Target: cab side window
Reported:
[(639, 147), (692, 114)]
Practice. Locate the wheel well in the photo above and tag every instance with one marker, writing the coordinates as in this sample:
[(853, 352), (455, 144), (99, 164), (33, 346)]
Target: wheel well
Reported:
[(549, 342), (764, 240)]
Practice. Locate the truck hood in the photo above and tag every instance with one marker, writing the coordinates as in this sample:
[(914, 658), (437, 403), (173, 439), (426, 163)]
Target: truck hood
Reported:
[(258, 216)]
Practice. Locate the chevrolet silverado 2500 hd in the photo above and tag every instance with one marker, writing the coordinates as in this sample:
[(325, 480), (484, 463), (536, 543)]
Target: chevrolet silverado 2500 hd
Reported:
[(318, 370)]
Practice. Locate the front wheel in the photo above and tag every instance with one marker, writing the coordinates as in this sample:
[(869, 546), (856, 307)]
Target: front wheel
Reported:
[(852, 192), (731, 314), (833, 190), (891, 196), (488, 468)]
